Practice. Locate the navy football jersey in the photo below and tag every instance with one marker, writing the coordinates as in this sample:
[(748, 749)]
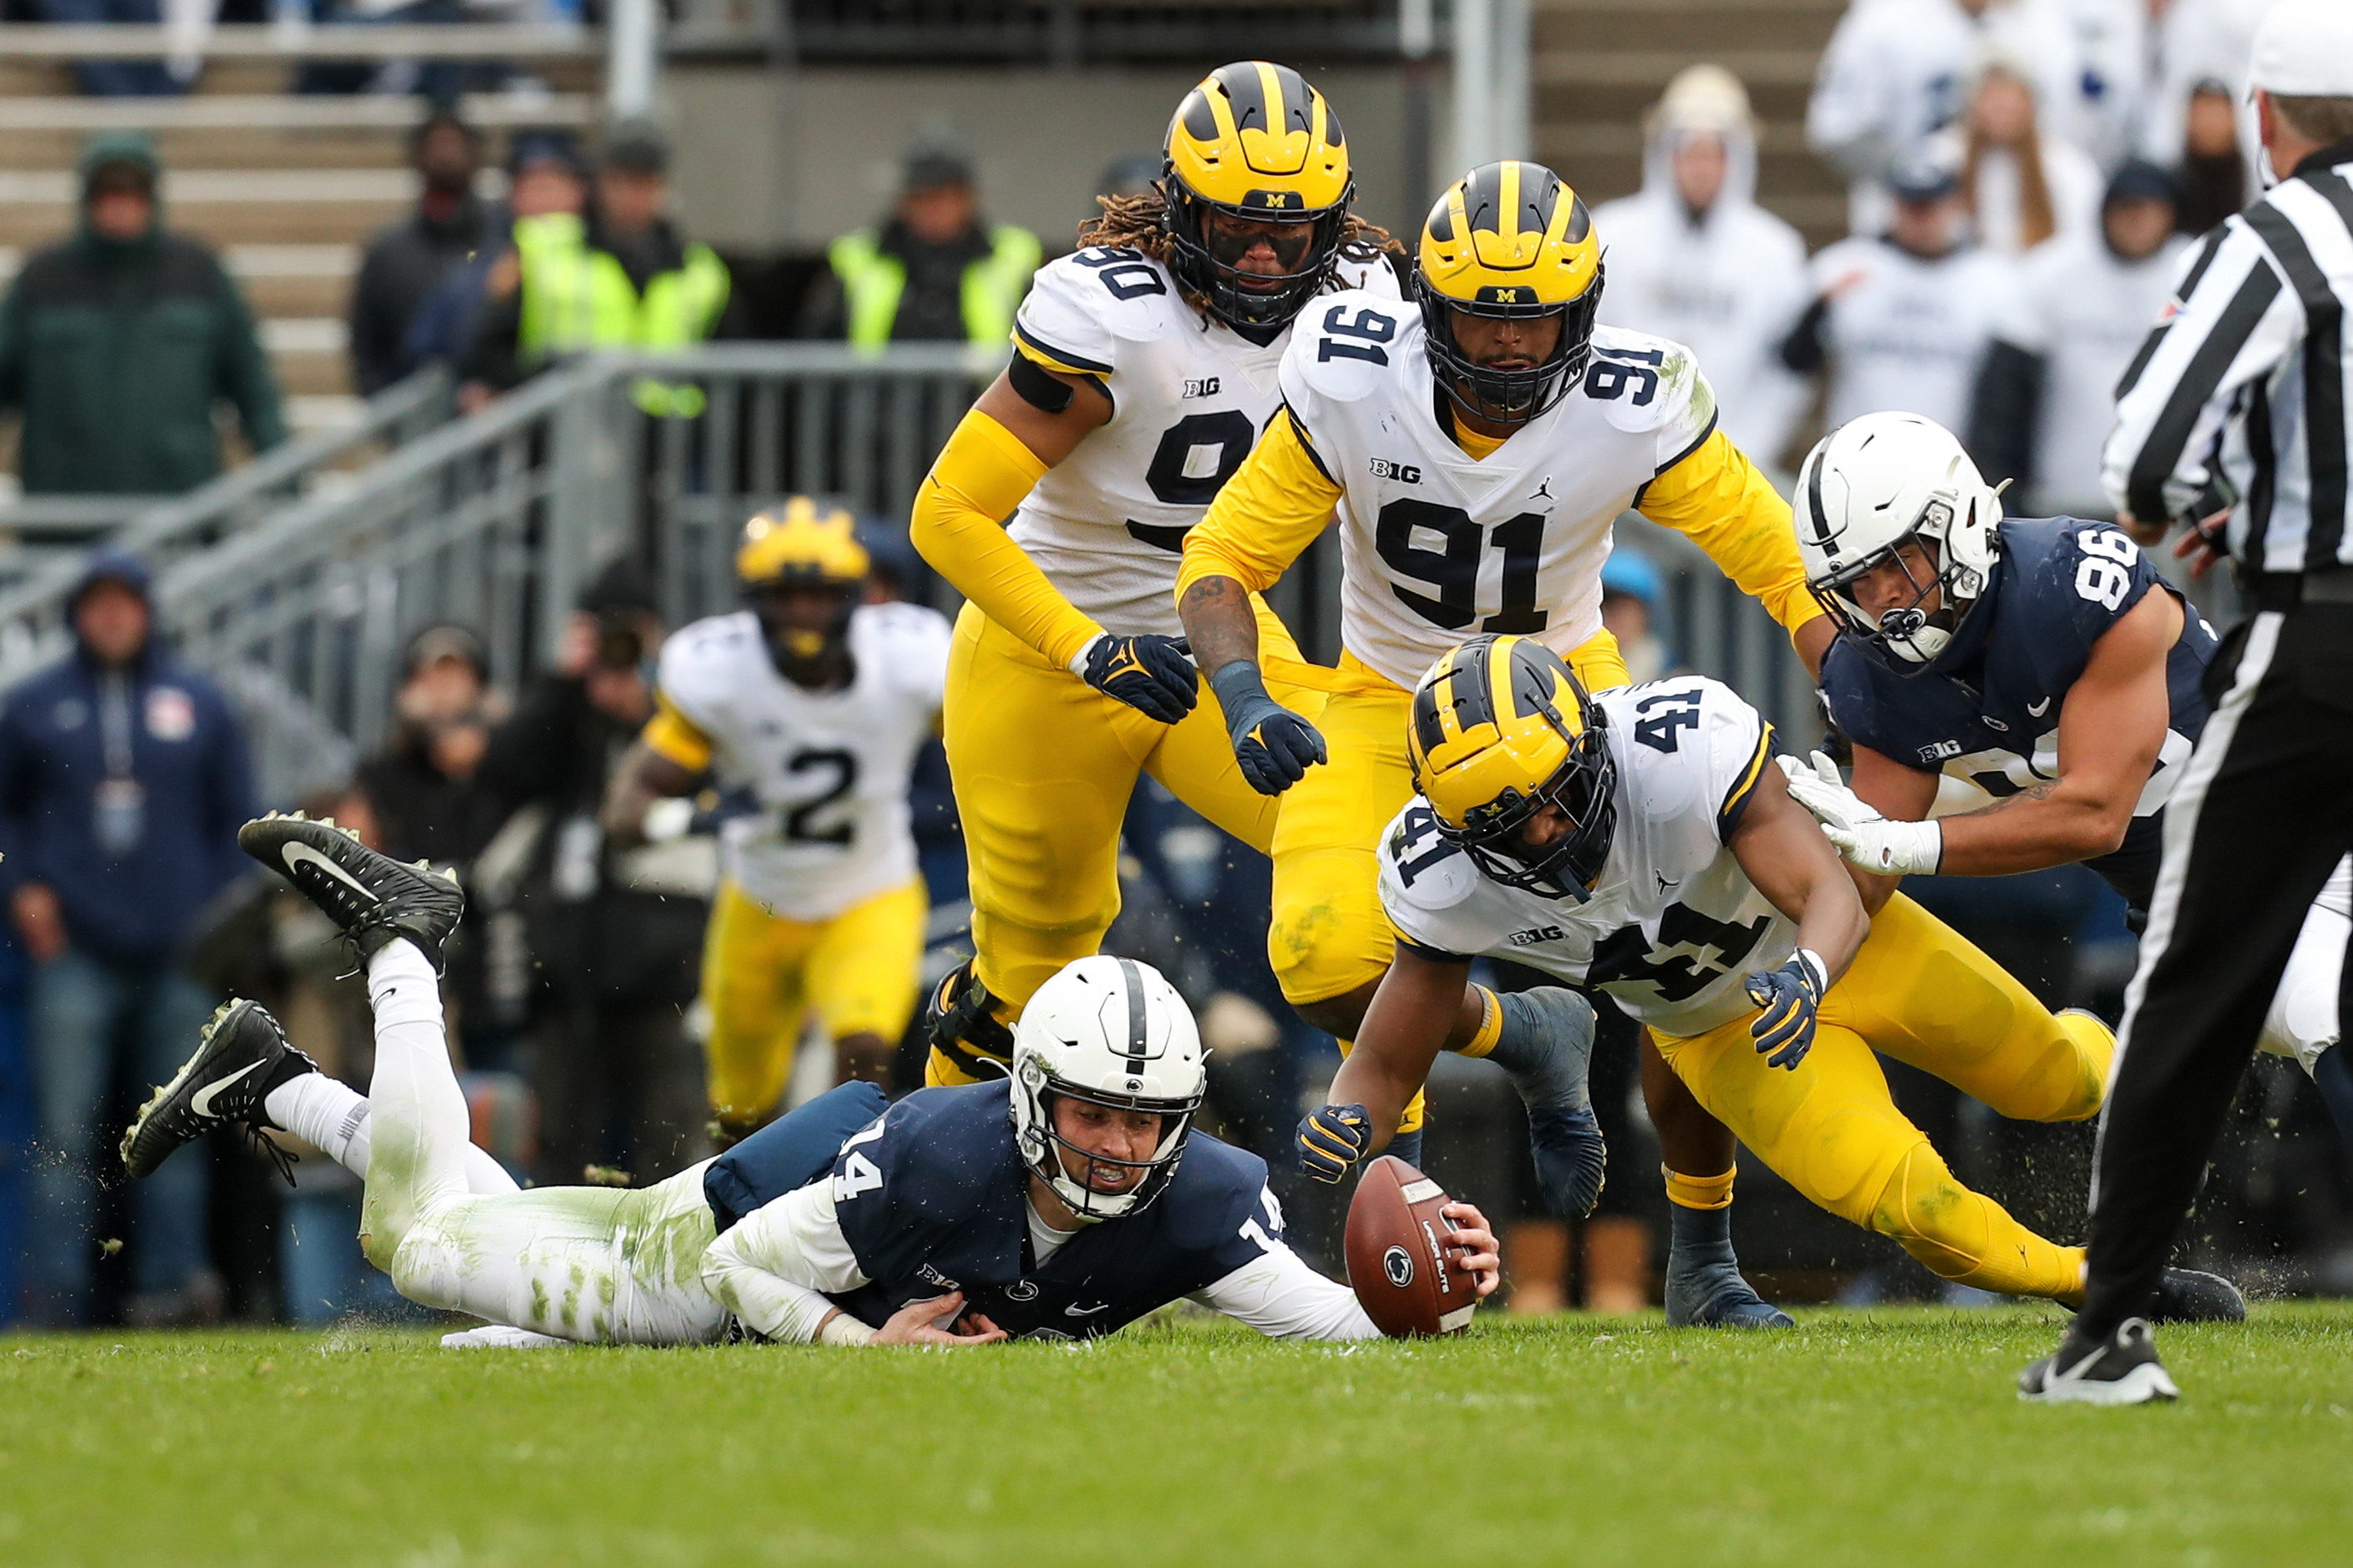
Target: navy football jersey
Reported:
[(1985, 710), (932, 1197)]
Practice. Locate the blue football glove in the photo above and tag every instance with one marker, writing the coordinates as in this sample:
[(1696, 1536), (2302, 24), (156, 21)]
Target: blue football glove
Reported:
[(1332, 1139), (1150, 674), (1274, 746), (1790, 996)]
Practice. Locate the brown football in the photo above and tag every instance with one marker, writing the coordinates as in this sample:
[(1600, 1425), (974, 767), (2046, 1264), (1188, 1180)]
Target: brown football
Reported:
[(1398, 1263)]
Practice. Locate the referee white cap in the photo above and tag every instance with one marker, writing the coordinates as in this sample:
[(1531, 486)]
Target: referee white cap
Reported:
[(2303, 49)]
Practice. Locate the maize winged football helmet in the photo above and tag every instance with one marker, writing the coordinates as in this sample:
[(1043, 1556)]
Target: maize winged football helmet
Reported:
[(1509, 241), (802, 545), (1254, 142), (1500, 730)]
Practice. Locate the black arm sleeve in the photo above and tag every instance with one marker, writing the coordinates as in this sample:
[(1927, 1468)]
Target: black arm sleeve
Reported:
[(2003, 413), (1803, 350)]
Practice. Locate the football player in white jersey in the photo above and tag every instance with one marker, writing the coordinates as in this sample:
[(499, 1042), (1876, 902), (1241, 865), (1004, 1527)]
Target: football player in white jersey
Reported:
[(1144, 368), (1644, 843), (1476, 448), (813, 704)]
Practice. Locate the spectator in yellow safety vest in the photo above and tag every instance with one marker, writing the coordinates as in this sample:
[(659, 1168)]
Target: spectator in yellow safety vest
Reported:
[(621, 277), (936, 271)]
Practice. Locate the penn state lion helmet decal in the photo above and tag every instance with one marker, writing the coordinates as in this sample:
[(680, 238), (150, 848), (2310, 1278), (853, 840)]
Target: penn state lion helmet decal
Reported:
[(1255, 143), (1509, 241), (1500, 730)]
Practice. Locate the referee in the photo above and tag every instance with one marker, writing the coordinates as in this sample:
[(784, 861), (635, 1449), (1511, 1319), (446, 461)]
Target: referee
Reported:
[(2238, 401)]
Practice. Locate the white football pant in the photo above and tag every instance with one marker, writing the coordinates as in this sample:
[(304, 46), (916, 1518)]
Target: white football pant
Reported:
[(599, 1264), (2303, 1022)]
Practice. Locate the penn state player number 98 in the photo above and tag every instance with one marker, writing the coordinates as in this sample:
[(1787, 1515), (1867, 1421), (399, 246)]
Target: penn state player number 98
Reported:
[(1453, 570), (2105, 575)]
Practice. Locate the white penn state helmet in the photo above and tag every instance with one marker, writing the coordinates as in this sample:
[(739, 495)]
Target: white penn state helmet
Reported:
[(1112, 1032), (1870, 485)]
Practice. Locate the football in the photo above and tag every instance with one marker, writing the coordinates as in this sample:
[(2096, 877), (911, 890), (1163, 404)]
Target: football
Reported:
[(1398, 1263)]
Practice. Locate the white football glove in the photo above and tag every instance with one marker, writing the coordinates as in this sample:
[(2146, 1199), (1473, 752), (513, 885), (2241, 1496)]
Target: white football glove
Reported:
[(1867, 839)]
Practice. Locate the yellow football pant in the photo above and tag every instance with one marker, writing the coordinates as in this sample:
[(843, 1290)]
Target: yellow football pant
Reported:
[(861, 971), (1043, 765), (1329, 934), (1919, 993)]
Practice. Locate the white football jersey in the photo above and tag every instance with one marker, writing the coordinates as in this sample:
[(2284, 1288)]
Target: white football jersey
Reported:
[(1674, 925), (1436, 547), (825, 770), (1189, 398)]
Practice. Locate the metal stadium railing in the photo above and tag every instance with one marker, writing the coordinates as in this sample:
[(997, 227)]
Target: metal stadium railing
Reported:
[(498, 520), (51, 534)]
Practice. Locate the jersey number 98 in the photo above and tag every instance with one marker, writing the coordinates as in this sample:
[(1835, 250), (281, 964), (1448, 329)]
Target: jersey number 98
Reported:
[(2105, 575)]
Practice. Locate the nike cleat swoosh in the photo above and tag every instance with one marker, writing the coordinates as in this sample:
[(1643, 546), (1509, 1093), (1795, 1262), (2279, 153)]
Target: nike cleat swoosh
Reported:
[(201, 1102), (299, 854)]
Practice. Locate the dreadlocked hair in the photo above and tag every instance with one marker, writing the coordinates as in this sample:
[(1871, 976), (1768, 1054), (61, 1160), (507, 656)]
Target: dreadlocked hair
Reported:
[(1141, 222)]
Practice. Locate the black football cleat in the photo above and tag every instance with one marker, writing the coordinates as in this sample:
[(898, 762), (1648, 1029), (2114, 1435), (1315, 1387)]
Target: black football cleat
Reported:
[(2187, 1296), (1715, 1294), (241, 1057), (2122, 1369), (961, 1023), (375, 899)]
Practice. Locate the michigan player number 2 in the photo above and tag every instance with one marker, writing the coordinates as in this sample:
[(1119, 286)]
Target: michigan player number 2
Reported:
[(800, 825), (1453, 571)]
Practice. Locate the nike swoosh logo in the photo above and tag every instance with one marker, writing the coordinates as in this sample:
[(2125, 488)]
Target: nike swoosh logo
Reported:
[(2039, 709), (202, 1104), (299, 854), (1075, 1310)]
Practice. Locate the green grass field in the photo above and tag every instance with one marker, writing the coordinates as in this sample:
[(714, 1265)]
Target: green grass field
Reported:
[(1889, 1438)]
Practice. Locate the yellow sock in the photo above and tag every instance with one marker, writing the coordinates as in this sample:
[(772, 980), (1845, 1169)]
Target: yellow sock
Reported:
[(1491, 1025), (1700, 1191)]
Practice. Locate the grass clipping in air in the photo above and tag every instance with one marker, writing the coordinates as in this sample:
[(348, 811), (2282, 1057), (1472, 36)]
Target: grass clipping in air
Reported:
[(1888, 1437)]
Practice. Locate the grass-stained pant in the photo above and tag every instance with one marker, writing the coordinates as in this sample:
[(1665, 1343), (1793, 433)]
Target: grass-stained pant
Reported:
[(1920, 992), (582, 1262)]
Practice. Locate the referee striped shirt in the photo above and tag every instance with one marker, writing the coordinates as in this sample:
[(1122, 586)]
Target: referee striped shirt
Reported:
[(2238, 395)]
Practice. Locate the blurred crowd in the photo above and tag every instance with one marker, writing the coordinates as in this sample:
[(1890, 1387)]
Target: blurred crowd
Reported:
[(2023, 179)]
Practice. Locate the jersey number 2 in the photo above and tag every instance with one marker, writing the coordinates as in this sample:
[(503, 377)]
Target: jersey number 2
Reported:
[(800, 826), (1454, 570)]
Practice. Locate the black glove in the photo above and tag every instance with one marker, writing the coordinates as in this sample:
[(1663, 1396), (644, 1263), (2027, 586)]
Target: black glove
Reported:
[(1790, 996), (1150, 674), (1274, 746), (1332, 1139)]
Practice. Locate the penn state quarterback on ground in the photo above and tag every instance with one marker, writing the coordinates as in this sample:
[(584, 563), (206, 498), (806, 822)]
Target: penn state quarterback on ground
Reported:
[(1145, 367), (1642, 842), (1477, 448), (2040, 662), (1062, 1202), (807, 709)]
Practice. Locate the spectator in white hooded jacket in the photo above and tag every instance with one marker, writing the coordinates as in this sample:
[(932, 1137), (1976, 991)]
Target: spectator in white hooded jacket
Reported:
[(2044, 399), (1693, 258), (1897, 71)]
